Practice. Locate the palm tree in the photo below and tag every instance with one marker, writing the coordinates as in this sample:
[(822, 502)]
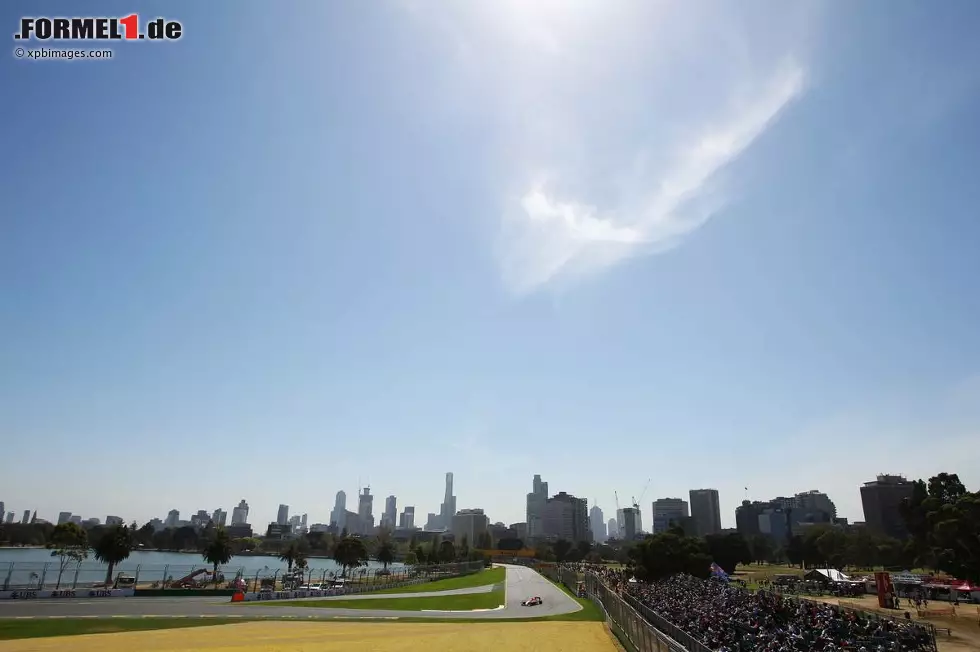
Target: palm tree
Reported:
[(386, 553), (114, 547), (218, 550), (289, 555), (350, 553)]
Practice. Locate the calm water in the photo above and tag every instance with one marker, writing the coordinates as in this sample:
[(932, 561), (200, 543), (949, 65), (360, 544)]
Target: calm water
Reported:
[(152, 565)]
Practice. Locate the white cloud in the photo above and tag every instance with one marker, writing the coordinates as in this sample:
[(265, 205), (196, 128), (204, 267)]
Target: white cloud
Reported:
[(547, 236), (611, 119)]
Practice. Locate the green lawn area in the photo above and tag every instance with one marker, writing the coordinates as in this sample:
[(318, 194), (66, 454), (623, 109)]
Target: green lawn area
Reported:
[(465, 602), (35, 628), (484, 577)]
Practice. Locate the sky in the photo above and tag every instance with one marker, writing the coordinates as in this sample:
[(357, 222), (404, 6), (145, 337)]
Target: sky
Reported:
[(316, 246)]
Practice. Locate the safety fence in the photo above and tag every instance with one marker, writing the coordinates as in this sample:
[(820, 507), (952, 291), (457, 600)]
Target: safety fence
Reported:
[(55, 576)]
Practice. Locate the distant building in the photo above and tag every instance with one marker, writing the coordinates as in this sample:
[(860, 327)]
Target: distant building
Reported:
[(239, 514), (64, 517), (536, 501), (113, 520), (706, 511), (219, 517), (391, 511), (776, 523), (365, 511), (173, 518), (283, 516), (353, 523), (881, 500), (612, 529), (432, 522), (520, 530), (448, 507), (407, 518), (239, 531), (469, 525), (91, 522), (668, 511), (10, 517), (76, 519), (629, 530), (338, 514), (597, 524), (27, 517), (566, 517)]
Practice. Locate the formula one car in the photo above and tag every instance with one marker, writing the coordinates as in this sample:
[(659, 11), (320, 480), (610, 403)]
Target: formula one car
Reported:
[(532, 602)]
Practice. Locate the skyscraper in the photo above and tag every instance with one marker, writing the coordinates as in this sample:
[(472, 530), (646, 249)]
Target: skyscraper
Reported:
[(407, 518), (365, 511), (337, 516), (881, 500), (448, 508), (173, 518), (283, 517), (597, 524), (706, 511), (391, 512), (239, 515), (612, 530), (667, 512), (219, 517), (536, 501), (566, 517)]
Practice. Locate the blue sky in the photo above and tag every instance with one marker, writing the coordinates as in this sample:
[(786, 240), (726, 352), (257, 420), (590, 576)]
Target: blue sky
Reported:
[(735, 246)]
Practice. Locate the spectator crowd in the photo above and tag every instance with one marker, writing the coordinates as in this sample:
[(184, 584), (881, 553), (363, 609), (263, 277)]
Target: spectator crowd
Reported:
[(730, 619)]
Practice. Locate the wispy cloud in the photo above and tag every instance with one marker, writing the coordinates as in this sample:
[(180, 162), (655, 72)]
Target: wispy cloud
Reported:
[(578, 93), (548, 235)]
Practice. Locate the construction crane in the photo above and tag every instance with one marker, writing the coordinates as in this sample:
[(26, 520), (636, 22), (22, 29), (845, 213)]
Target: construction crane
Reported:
[(636, 503), (617, 501)]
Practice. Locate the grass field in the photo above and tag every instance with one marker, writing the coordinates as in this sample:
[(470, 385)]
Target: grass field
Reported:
[(484, 577), (465, 602), (340, 637)]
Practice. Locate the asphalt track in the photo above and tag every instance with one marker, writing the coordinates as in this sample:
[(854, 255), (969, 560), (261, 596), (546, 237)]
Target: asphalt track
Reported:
[(521, 583)]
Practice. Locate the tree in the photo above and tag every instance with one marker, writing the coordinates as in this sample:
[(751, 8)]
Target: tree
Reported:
[(350, 552), (217, 551), (484, 541), (69, 542), (669, 553), (411, 559), (943, 519), (582, 550), (447, 552), (185, 538), (290, 554), (114, 547), (728, 550), (386, 553), (762, 548), (562, 547)]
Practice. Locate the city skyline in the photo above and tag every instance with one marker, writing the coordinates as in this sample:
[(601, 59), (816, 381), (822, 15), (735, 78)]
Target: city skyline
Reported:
[(649, 522)]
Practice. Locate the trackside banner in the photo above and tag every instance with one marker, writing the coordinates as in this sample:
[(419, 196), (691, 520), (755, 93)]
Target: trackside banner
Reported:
[(289, 595), (67, 593)]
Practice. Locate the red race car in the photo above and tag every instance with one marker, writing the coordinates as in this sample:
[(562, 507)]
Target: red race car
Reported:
[(532, 602)]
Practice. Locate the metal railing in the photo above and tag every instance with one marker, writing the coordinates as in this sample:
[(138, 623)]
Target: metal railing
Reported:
[(53, 575)]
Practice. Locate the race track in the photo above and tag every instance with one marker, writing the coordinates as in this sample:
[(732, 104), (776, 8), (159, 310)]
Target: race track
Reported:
[(521, 583)]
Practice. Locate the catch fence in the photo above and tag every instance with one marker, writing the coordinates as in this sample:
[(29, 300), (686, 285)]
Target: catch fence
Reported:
[(17, 576)]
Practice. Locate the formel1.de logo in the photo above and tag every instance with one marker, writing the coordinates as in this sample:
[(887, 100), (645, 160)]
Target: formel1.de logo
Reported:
[(43, 28)]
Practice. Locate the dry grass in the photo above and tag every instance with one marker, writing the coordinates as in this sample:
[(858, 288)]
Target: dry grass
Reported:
[(337, 637)]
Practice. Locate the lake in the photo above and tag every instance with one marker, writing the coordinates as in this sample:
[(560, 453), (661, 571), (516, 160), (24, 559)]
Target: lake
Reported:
[(18, 564)]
